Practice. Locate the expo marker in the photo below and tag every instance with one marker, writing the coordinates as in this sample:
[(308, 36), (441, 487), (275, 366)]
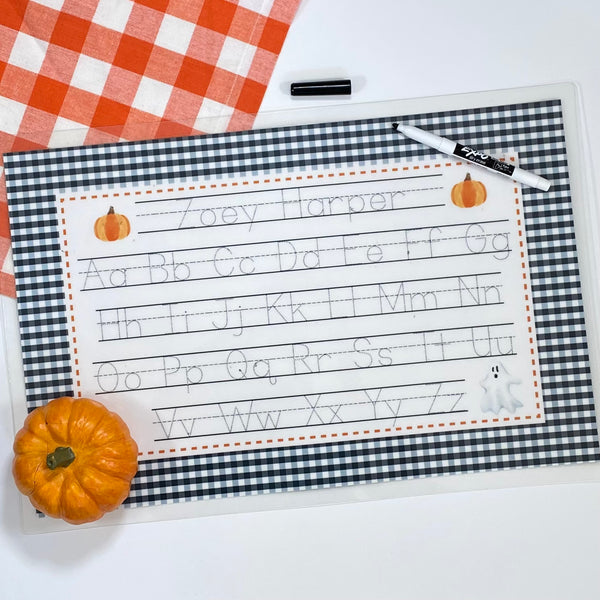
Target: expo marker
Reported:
[(469, 154)]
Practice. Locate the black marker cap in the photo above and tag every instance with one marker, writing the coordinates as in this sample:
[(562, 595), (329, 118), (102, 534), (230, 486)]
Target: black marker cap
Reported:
[(329, 87)]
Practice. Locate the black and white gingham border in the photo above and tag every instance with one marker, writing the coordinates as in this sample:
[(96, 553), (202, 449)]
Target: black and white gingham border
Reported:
[(534, 130)]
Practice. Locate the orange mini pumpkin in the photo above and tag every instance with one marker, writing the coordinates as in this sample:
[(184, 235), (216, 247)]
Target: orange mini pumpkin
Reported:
[(74, 459), (112, 226), (468, 193)]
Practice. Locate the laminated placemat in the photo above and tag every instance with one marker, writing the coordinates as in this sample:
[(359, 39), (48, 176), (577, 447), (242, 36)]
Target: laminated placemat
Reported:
[(175, 185)]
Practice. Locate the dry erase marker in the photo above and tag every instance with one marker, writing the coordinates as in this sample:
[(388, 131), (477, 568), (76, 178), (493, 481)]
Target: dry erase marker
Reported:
[(469, 154)]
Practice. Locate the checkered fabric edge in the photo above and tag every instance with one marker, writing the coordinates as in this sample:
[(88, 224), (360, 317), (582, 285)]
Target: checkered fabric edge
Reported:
[(534, 130), (103, 71), (121, 69)]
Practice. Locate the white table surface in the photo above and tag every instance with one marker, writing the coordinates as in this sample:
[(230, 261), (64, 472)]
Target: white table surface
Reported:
[(527, 543)]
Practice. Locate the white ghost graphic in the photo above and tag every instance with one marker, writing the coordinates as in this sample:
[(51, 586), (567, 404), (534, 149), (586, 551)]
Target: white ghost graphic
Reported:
[(497, 391)]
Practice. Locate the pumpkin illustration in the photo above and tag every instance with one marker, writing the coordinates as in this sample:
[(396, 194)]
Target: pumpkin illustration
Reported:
[(112, 226), (74, 459), (468, 193)]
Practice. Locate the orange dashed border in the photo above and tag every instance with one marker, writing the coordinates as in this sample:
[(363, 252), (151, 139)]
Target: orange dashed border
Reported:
[(527, 300), (381, 432), (69, 297)]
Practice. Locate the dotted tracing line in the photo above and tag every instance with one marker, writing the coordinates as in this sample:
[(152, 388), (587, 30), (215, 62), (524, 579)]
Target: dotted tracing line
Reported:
[(324, 436), (292, 356), (284, 202), (133, 317), (321, 251), (365, 432), (302, 408)]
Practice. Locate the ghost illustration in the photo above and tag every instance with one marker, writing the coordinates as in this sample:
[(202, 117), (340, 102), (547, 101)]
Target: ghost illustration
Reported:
[(497, 391)]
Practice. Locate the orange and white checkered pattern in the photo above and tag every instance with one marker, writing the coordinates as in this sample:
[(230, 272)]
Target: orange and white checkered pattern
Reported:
[(95, 71)]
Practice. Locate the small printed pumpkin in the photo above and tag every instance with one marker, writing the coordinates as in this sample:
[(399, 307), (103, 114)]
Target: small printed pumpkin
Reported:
[(74, 459), (468, 193), (112, 226)]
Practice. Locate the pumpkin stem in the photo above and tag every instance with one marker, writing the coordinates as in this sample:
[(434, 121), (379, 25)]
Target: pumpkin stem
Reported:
[(468, 177), (111, 211), (62, 456)]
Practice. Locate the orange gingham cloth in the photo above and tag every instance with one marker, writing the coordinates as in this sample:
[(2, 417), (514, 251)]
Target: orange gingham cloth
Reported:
[(96, 71)]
